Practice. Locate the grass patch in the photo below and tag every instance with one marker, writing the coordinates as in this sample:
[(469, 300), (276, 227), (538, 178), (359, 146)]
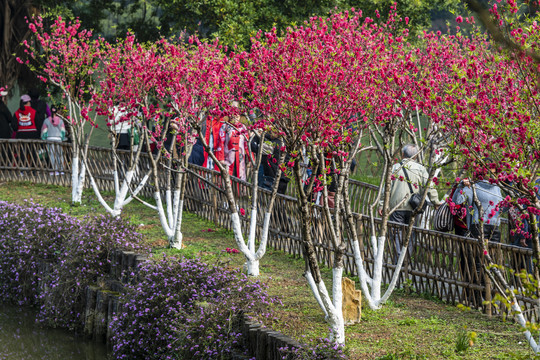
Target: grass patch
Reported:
[(409, 326)]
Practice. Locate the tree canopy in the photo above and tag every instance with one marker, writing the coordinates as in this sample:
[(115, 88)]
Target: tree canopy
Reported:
[(233, 22)]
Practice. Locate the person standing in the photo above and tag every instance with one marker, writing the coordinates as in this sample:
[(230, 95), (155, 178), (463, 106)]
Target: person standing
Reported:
[(197, 153), (7, 121), (236, 150), (25, 117), (520, 236), (407, 175), (7, 127), (120, 128), (215, 139), (53, 129), (489, 195), (270, 147), (488, 219)]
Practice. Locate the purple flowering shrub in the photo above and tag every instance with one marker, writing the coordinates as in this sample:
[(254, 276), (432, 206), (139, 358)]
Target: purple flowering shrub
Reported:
[(32, 237), (184, 309), (48, 258), (84, 259)]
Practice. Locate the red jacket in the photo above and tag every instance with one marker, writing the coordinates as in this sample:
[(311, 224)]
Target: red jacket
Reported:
[(26, 120), (237, 153), (216, 128)]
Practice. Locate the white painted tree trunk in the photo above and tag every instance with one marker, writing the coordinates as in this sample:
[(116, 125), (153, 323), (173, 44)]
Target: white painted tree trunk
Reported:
[(169, 202), (176, 240), (252, 267), (121, 196), (254, 256), (365, 280), (264, 236), (378, 269), (332, 308), (252, 229), (101, 200), (338, 326), (121, 192), (252, 261), (77, 180), (172, 230), (138, 190), (371, 287), (237, 230), (523, 323), (315, 291)]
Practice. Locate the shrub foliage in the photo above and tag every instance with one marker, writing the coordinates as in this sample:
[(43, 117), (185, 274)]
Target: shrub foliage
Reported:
[(184, 309), (179, 309), (48, 258)]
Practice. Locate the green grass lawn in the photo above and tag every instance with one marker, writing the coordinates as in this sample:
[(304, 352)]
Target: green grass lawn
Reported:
[(409, 326)]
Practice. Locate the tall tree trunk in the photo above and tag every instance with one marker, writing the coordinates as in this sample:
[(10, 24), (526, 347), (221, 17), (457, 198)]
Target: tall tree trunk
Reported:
[(13, 31)]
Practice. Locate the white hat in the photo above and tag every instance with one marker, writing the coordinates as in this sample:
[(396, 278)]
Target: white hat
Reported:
[(3, 92)]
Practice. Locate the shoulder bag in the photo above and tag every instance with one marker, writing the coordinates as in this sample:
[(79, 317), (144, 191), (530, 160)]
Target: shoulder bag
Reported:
[(415, 199)]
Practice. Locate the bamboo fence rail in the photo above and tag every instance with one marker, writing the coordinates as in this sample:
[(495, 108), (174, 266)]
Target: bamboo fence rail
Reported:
[(438, 264)]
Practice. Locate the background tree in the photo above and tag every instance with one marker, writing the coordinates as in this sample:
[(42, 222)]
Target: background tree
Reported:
[(211, 87), (490, 109), (301, 89), (109, 18), (13, 31), (234, 23), (68, 58), (130, 75)]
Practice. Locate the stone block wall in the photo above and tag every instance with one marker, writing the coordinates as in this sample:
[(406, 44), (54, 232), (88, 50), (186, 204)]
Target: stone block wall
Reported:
[(260, 342), (103, 299)]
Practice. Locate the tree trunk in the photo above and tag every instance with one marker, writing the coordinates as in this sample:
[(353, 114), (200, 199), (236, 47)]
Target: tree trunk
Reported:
[(13, 31), (176, 241), (77, 180)]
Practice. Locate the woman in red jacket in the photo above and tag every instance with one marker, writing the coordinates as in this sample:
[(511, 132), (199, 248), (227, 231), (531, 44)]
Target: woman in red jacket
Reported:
[(25, 118)]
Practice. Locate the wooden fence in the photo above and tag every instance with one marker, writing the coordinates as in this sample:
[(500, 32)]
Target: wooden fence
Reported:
[(438, 264)]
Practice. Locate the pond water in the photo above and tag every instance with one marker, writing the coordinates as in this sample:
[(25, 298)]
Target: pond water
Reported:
[(21, 338)]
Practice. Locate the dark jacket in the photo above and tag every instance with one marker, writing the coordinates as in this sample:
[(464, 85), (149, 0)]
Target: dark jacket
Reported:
[(197, 154), (269, 164), (42, 111), (7, 122)]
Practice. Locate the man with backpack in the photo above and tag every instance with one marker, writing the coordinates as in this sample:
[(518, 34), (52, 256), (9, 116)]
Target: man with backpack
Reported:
[(409, 177)]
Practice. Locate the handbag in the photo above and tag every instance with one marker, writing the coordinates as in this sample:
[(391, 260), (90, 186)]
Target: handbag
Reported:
[(443, 220), (415, 199)]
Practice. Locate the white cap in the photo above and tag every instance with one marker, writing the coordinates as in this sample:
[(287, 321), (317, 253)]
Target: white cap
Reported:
[(3, 92)]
